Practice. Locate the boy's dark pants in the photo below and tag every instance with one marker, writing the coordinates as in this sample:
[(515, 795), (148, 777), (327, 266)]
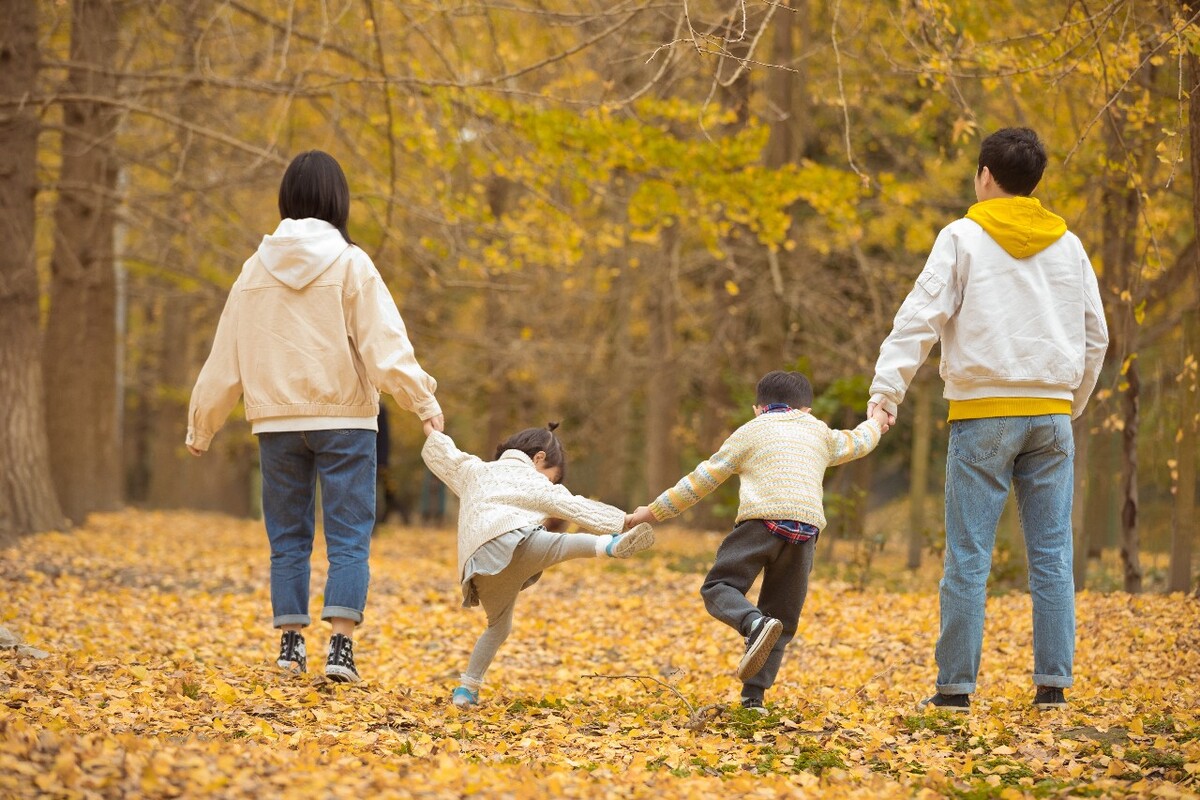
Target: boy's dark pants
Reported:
[(748, 550)]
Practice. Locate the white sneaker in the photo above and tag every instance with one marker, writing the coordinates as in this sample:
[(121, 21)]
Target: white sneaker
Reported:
[(638, 538)]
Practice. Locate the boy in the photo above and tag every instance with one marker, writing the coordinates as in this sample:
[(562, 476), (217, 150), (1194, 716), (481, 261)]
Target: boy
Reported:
[(1011, 294), (781, 456)]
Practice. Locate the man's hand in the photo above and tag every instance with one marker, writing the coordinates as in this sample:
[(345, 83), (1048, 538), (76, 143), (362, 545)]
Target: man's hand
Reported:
[(432, 424), (885, 420), (194, 451)]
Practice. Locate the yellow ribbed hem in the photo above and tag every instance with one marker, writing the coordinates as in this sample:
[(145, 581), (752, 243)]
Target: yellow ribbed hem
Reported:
[(987, 407)]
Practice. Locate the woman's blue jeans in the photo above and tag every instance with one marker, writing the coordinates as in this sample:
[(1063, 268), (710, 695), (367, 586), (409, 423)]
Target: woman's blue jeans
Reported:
[(344, 462), (986, 457)]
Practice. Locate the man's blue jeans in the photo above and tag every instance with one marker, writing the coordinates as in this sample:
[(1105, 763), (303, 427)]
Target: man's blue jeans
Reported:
[(986, 456), (344, 461)]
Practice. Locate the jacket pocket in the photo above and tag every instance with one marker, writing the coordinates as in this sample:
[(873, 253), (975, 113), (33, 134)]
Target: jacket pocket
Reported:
[(931, 282)]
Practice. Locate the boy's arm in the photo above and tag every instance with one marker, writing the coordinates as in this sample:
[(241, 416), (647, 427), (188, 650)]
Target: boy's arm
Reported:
[(1095, 339), (219, 384), (918, 324), (446, 461), (848, 445), (387, 353), (701, 481)]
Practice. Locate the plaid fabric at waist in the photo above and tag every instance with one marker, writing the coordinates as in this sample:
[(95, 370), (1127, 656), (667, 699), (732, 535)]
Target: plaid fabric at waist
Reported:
[(790, 530)]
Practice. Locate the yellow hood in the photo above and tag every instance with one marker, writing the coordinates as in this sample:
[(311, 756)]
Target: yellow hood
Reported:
[(1018, 224)]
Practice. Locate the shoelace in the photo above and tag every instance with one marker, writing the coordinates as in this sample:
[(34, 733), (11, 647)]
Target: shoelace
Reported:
[(288, 647), (345, 652)]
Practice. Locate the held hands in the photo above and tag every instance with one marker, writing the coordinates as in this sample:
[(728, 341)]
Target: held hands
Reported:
[(432, 424), (640, 514), (877, 413)]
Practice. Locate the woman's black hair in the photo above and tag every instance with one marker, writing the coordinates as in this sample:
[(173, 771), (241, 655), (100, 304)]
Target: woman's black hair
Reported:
[(531, 441), (314, 186)]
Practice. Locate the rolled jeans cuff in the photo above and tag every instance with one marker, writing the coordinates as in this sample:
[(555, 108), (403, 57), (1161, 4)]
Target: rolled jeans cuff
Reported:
[(1053, 681), (956, 688), (342, 612), (291, 619)]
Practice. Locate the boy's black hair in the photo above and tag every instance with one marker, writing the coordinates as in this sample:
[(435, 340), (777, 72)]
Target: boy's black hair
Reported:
[(1016, 158), (790, 388), (533, 440), (315, 186)]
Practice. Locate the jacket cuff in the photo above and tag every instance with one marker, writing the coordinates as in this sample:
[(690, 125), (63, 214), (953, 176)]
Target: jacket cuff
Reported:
[(198, 441), (429, 409), (884, 403), (659, 510)]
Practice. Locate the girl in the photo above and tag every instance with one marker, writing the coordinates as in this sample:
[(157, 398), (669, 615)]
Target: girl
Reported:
[(503, 545), (309, 335)]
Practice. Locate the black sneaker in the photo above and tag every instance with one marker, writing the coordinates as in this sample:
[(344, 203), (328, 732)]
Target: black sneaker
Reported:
[(339, 666), (958, 703), (758, 647), (754, 704), (1049, 697), (292, 655)]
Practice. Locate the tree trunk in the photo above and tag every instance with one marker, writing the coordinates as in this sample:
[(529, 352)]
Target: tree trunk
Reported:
[(1183, 533), (661, 459), (27, 499), (922, 433), (786, 89), (1120, 210), (81, 369), (1130, 544)]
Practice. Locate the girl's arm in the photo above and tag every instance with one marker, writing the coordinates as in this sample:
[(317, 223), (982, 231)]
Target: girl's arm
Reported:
[(701, 481), (848, 445), (557, 501), (446, 461)]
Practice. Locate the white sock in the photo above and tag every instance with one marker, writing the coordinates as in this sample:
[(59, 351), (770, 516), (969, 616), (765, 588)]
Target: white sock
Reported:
[(602, 542)]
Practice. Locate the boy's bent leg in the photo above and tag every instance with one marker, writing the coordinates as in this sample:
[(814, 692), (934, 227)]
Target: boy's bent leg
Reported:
[(978, 469), (784, 589), (740, 557), (288, 499), (346, 464), (1044, 478)]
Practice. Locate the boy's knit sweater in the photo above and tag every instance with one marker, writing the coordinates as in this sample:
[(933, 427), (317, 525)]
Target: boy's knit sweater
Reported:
[(500, 496), (781, 459)]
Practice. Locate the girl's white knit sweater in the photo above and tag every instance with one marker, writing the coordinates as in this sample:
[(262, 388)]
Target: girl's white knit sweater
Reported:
[(499, 496)]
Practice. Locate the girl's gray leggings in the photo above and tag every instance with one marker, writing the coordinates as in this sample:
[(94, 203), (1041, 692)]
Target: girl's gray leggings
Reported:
[(498, 593)]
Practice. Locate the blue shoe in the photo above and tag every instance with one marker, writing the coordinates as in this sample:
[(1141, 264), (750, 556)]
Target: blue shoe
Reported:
[(638, 538), (464, 698)]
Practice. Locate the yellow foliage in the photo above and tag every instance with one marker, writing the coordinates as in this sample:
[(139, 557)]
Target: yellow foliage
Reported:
[(161, 682)]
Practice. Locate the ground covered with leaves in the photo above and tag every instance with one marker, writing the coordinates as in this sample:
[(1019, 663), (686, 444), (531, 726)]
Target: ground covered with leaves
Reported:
[(147, 670)]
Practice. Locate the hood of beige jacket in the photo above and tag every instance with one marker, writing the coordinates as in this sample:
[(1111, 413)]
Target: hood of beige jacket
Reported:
[(300, 250)]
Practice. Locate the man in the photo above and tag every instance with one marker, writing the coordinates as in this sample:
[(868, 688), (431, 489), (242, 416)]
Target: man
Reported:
[(1012, 297)]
